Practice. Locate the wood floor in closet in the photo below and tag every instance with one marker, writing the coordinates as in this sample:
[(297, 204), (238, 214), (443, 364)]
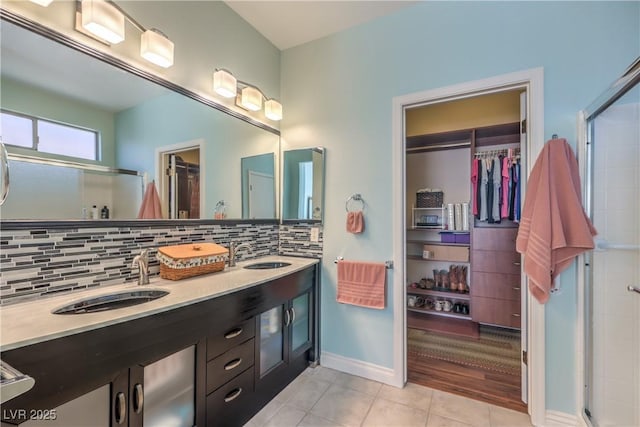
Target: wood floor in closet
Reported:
[(476, 383)]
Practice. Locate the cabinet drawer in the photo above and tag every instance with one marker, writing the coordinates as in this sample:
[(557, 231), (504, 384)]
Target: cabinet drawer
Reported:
[(496, 285), (448, 253), (229, 364), (231, 337), (227, 405), (495, 262), (495, 311), (495, 239)]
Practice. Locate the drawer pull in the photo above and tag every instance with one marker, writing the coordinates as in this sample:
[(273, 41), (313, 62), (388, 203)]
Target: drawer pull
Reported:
[(120, 409), (233, 334), (233, 394), (233, 364), (516, 263), (515, 315), (516, 288)]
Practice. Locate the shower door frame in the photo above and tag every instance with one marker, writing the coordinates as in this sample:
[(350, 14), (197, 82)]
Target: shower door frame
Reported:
[(629, 79)]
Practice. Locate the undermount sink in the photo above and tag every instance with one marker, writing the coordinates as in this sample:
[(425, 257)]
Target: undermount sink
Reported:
[(111, 301), (267, 265)]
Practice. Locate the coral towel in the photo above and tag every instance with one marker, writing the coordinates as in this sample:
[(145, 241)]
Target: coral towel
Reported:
[(554, 227), (362, 283), (151, 208), (355, 222)]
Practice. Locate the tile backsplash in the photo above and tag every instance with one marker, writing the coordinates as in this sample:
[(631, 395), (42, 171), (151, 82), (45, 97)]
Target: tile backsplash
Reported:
[(40, 262)]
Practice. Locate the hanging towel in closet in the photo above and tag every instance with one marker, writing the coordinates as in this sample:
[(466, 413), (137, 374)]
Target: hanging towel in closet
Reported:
[(362, 283), (554, 228)]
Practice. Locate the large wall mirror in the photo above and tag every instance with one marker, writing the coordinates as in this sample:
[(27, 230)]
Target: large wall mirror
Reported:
[(303, 184), (198, 156)]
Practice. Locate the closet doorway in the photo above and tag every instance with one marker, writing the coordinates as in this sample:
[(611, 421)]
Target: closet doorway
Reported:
[(464, 315), (180, 173)]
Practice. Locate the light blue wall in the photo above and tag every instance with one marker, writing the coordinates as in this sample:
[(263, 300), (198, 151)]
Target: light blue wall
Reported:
[(338, 93)]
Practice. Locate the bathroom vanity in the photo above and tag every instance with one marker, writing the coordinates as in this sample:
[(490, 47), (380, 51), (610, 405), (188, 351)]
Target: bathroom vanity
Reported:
[(231, 340)]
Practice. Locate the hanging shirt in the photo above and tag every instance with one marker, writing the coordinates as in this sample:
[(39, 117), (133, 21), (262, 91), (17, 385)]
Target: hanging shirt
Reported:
[(484, 184), (504, 212), (474, 183), (497, 182), (517, 202)]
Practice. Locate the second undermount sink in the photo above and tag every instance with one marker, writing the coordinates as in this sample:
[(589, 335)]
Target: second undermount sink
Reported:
[(111, 301), (267, 265)]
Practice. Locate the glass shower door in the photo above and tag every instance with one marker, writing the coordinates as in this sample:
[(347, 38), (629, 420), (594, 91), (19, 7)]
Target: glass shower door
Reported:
[(612, 302)]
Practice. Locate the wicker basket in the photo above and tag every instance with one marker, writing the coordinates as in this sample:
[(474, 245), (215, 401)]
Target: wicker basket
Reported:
[(429, 199), (184, 261)]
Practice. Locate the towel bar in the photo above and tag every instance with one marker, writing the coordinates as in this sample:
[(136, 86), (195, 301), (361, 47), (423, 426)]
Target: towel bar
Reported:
[(388, 264)]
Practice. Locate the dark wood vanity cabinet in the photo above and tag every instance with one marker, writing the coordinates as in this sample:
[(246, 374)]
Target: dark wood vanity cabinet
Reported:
[(495, 275), (223, 335)]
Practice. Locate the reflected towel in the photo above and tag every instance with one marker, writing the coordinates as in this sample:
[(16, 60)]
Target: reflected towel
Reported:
[(362, 283), (355, 222), (151, 207), (554, 227)]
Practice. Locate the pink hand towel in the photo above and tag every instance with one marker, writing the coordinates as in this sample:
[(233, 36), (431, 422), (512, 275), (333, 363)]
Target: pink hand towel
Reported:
[(554, 228), (362, 283), (151, 207), (355, 222)]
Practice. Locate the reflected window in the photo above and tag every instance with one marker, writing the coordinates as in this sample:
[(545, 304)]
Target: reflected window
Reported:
[(305, 198), (49, 137)]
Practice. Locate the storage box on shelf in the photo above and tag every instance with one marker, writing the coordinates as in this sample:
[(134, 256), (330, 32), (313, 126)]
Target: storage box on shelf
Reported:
[(429, 218)]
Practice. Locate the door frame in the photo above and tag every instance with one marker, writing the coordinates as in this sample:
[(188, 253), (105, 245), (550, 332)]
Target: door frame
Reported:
[(160, 177), (533, 81)]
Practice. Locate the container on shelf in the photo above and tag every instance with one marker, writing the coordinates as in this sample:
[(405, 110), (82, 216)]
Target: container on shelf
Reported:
[(462, 237), (429, 198)]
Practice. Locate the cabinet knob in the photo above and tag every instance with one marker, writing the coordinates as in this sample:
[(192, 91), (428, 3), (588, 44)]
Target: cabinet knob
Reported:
[(138, 398), (233, 394), (120, 408), (232, 334), (233, 364)]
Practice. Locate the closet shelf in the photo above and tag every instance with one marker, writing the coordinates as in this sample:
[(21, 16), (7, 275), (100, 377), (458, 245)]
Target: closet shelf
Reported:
[(465, 296), (440, 313), (436, 243), (419, 258)]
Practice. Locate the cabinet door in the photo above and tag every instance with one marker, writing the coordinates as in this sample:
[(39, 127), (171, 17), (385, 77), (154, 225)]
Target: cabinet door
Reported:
[(272, 339), (301, 323)]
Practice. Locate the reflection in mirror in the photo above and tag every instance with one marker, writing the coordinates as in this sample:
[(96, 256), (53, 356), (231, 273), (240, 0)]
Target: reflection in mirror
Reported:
[(303, 184), (135, 118), (258, 186)]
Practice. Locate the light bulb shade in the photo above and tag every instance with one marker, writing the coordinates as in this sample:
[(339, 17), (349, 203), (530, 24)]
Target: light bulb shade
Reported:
[(273, 110), (251, 98), (103, 20), (43, 3), (156, 48), (225, 84)]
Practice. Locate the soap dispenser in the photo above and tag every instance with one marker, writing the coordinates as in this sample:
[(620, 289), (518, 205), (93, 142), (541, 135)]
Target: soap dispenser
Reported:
[(104, 213)]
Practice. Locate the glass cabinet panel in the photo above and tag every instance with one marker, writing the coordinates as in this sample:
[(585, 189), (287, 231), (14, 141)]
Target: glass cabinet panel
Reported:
[(301, 322), (271, 339)]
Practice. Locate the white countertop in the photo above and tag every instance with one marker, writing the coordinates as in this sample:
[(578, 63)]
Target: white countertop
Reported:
[(32, 322)]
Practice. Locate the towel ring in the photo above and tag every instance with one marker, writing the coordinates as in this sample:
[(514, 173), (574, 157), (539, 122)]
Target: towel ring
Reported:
[(355, 198)]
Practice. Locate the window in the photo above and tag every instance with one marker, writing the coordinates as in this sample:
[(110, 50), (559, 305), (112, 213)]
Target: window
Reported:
[(49, 137)]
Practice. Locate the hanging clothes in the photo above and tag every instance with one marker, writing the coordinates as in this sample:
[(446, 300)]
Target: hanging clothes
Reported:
[(474, 183)]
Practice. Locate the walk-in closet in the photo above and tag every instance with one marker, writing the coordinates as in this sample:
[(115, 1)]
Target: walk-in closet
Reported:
[(463, 187)]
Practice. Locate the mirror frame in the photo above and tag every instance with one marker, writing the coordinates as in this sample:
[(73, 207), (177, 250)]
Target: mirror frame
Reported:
[(320, 221), (51, 34)]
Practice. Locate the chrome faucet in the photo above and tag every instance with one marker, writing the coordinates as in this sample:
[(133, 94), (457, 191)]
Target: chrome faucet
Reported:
[(233, 250), (141, 261)]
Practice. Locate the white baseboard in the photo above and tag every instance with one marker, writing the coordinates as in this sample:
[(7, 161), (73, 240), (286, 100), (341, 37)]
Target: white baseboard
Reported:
[(561, 419), (358, 367)]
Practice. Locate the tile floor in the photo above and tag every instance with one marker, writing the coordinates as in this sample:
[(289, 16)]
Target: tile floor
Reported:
[(325, 397)]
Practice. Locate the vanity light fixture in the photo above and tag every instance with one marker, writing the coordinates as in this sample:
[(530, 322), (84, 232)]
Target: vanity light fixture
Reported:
[(251, 98), (247, 96), (273, 110), (105, 20), (43, 3), (225, 84), (155, 47)]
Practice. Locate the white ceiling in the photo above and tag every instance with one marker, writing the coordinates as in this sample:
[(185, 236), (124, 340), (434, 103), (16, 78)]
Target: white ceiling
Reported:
[(291, 23)]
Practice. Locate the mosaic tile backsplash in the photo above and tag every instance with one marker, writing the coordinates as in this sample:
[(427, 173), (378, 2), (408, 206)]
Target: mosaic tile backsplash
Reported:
[(41, 262)]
